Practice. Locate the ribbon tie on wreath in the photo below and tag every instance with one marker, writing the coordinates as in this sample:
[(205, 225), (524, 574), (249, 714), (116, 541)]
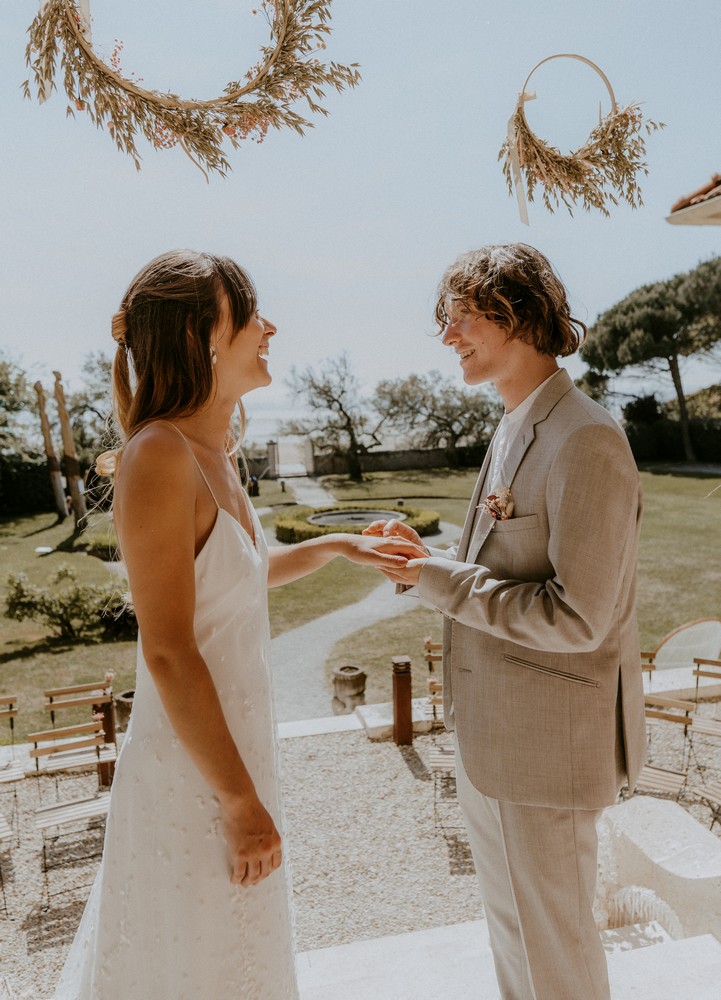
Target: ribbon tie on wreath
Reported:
[(601, 172), (513, 154)]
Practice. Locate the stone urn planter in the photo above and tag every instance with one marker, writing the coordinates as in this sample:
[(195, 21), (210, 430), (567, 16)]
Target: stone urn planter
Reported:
[(123, 705), (349, 685)]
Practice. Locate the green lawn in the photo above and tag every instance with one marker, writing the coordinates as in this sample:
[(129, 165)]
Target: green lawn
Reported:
[(444, 490), (32, 660), (271, 494), (679, 579), (679, 571)]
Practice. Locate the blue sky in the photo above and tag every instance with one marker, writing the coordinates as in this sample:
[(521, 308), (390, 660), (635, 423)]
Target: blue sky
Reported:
[(347, 230)]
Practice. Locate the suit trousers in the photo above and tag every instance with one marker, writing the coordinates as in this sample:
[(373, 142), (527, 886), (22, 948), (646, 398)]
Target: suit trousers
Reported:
[(537, 869)]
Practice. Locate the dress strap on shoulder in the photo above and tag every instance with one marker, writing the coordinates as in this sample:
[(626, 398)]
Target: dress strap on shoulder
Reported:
[(195, 459)]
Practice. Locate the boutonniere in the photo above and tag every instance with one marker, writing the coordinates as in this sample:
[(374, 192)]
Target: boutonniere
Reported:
[(498, 505)]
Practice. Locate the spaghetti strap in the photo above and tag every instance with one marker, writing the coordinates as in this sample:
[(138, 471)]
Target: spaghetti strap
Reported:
[(200, 467)]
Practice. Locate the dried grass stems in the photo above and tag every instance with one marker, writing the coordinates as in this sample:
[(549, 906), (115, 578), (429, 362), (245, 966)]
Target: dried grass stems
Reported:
[(286, 72), (601, 173)]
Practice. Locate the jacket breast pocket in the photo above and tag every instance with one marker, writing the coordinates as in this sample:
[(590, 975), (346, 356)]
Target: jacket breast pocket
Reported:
[(517, 549), (516, 524)]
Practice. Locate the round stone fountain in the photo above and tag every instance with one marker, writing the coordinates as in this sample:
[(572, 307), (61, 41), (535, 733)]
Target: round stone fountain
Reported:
[(355, 516)]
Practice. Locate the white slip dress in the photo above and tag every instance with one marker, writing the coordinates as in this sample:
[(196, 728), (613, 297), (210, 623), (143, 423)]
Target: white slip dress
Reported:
[(163, 921)]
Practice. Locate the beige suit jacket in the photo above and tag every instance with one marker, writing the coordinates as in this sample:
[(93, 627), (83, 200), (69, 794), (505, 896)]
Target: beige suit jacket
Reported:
[(541, 664)]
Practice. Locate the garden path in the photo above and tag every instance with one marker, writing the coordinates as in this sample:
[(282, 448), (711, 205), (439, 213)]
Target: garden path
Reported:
[(302, 689), (309, 493)]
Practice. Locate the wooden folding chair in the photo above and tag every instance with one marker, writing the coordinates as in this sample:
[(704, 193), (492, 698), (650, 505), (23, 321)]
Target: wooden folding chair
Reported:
[(6, 835), (662, 782), (433, 655), (648, 665), (705, 732), (98, 696), (706, 668), (52, 822), (662, 711), (11, 771), (442, 758), (710, 793), (72, 748)]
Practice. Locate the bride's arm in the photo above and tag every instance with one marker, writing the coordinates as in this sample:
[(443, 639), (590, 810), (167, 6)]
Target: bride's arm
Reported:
[(155, 497), (291, 562)]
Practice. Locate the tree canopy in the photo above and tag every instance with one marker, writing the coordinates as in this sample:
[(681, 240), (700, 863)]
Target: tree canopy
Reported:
[(657, 326), (15, 399), (340, 418), (437, 412), (90, 408)]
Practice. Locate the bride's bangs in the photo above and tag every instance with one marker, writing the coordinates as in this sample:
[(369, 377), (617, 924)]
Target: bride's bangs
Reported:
[(239, 287)]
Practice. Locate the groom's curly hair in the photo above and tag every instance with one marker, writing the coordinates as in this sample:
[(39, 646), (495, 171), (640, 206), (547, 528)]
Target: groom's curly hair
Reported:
[(516, 286)]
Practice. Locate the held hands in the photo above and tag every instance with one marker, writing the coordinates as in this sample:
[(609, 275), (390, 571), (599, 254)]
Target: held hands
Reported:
[(384, 552), (396, 531), (254, 846)]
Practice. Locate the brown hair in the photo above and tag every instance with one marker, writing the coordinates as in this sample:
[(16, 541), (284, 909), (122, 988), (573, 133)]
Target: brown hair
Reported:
[(164, 326), (517, 287)]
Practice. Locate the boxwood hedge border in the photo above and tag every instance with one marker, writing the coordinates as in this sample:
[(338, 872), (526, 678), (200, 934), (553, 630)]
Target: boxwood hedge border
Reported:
[(293, 525)]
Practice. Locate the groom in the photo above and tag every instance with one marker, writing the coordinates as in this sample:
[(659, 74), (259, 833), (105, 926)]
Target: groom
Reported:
[(542, 679)]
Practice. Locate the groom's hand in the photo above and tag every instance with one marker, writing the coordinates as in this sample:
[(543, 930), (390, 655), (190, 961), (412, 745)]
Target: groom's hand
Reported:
[(395, 528), (408, 574), (254, 844)]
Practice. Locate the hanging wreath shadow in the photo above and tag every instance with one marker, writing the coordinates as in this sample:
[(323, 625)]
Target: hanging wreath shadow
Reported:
[(287, 72), (601, 173)]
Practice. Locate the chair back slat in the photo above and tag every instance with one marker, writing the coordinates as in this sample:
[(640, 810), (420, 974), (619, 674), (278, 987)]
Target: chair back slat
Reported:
[(68, 747)]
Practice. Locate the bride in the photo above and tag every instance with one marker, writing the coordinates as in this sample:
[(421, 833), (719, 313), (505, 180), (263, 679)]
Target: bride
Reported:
[(191, 900)]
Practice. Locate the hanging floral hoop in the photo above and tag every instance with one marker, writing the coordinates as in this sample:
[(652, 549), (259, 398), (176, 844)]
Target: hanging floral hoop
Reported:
[(286, 72), (600, 173)]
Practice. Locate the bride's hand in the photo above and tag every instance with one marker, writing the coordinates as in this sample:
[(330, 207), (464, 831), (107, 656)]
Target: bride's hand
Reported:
[(254, 845), (382, 529), (386, 552)]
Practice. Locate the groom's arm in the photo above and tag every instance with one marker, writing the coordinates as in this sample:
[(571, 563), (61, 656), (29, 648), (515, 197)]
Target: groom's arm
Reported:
[(593, 502)]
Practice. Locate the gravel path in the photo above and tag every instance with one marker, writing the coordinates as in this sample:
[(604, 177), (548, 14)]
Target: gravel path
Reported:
[(374, 840)]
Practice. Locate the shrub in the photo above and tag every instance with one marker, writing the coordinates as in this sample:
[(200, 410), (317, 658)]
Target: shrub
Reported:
[(643, 410), (25, 486), (293, 526), (71, 610), (661, 441)]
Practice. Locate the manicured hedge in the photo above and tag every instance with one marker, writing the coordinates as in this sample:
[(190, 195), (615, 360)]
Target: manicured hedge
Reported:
[(293, 526), (25, 485), (660, 441)]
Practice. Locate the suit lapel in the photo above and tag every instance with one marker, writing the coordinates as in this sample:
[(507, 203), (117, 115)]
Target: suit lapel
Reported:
[(542, 406), (475, 500)]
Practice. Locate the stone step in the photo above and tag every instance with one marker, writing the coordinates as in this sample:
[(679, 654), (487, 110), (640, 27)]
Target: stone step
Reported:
[(378, 719), (455, 963)]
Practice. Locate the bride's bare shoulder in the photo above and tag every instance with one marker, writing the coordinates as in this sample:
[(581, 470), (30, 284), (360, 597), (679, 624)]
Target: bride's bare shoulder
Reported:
[(157, 441), (157, 454)]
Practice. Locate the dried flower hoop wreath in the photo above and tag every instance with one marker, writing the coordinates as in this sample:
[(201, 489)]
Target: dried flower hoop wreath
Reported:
[(287, 71), (608, 161)]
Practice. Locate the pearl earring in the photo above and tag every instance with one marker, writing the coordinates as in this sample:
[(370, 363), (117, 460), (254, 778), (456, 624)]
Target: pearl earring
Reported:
[(213, 355)]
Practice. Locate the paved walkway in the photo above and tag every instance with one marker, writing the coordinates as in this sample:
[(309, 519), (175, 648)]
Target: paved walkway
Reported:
[(309, 492), (302, 688)]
